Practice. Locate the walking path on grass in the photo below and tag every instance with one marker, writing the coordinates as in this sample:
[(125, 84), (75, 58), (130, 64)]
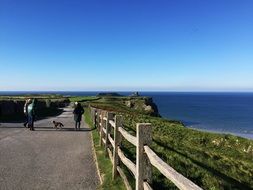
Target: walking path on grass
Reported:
[(47, 158)]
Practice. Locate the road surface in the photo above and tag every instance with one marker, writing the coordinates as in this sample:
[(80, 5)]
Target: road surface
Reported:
[(47, 158)]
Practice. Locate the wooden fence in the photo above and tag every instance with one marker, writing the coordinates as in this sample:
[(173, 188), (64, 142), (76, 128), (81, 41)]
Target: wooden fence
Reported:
[(145, 157)]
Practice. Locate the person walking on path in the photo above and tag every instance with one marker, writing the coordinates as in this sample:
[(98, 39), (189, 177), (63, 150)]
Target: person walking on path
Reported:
[(31, 114), (27, 102), (78, 112)]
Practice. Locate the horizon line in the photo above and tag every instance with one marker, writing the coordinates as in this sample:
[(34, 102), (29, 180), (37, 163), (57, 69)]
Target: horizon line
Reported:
[(182, 91)]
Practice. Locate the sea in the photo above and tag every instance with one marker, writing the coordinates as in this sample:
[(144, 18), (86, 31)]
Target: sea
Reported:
[(217, 112)]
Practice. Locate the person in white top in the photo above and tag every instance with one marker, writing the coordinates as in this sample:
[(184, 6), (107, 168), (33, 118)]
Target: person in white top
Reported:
[(27, 102)]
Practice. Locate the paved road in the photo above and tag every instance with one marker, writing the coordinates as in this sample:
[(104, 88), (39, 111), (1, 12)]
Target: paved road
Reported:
[(47, 158)]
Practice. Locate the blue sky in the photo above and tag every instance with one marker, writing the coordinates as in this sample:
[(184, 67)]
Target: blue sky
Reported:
[(168, 45)]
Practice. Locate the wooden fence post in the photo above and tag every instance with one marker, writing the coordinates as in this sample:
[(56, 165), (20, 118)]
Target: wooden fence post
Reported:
[(117, 141), (92, 112), (95, 118), (101, 121), (98, 120), (109, 116), (143, 165)]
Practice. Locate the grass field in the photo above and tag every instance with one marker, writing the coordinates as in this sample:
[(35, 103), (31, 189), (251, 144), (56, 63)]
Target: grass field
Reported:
[(83, 98), (213, 161)]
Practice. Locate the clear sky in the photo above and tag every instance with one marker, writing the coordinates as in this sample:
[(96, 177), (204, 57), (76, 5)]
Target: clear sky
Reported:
[(171, 45)]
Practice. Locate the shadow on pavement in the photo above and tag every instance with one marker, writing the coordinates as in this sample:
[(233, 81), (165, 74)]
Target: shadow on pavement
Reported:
[(61, 130), (64, 129)]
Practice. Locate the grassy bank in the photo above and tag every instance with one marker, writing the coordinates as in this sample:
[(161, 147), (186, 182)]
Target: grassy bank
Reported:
[(40, 114), (26, 96), (83, 98), (47, 106), (213, 161), (104, 163)]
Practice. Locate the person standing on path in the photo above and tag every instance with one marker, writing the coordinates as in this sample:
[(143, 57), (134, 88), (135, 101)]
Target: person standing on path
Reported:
[(31, 114), (78, 112), (27, 102)]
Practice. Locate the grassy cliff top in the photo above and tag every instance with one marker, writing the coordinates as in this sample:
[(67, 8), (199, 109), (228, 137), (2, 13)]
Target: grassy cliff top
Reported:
[(26, 96), (213, 161)]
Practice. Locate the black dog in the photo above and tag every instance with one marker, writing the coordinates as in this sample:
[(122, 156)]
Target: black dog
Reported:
[(58, 124)]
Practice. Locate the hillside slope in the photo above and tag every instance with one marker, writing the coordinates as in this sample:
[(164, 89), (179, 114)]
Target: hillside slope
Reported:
[(213, 161)]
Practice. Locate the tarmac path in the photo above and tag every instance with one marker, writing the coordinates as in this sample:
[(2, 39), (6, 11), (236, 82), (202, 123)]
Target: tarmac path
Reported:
[(47, 158)]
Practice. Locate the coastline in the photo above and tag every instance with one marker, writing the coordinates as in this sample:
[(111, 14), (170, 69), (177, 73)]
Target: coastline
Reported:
[(156, 101), (244, 135)]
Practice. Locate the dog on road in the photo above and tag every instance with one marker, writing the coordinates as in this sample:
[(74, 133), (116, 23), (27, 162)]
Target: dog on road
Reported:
[(57, 124)]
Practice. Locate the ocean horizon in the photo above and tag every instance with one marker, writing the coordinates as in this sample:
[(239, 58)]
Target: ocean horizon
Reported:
[(219, 112)]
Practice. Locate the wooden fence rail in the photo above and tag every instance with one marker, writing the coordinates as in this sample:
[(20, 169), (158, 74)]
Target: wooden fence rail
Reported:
[(106, 122)]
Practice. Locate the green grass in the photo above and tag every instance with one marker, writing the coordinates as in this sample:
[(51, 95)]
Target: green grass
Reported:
[(212, 161), (40, 114), (104, 163), (83, 98), (46, 106), (26, 96)]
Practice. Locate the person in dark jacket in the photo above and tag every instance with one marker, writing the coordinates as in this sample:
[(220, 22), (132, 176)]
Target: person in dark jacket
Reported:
[(78, 112)]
